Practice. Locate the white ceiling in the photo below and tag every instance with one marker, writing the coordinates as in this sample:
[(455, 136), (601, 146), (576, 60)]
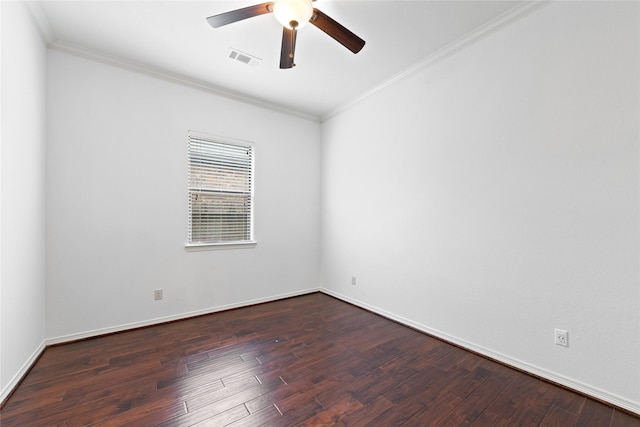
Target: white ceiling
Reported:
[(173, 37)]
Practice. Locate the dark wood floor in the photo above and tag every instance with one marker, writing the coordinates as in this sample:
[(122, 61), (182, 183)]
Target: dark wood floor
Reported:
[(310, 360)]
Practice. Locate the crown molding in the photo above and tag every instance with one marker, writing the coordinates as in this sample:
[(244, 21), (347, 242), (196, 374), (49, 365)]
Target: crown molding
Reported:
[(514, 14), (175, 78), (46, 32), (518, 12), (41, 21)]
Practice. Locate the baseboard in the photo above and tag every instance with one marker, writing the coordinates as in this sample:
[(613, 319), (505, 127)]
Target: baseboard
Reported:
[(22, 372), (135, 325), (582, 388), (585, 389), (30, 362)]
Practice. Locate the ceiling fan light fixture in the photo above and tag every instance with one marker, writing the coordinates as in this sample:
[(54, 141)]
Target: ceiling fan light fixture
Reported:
[(293, 14)]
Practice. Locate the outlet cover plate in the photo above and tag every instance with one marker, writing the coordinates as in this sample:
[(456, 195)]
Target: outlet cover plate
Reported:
[(561, 337)]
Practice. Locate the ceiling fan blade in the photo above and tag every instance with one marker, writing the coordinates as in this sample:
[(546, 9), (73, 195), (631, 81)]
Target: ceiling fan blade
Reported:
[(337, 31), (288, 48), (239, 14)]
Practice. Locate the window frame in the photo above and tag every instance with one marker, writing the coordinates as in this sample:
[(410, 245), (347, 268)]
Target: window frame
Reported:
[(212, 245)]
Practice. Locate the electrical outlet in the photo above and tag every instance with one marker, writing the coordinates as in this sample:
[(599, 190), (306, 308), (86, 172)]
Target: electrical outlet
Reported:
[(353, 280), (157, 294), (562, 337)]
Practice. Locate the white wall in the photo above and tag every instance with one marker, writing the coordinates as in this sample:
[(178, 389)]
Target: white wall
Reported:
[(494, 196), (22, 198), (117, 200), (487, 199)]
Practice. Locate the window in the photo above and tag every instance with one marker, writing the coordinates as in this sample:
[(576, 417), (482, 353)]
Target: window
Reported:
[(220, 191)]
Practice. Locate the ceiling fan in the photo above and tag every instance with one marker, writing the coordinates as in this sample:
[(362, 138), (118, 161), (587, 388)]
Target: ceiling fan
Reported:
[(293, 15)]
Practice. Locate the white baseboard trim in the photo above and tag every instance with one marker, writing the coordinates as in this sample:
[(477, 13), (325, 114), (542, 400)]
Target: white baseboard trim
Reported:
[(13, 383), (583, 388), (150, 322), (562, 380)]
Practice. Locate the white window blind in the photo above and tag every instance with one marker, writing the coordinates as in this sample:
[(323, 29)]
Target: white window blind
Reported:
[(220, 191)]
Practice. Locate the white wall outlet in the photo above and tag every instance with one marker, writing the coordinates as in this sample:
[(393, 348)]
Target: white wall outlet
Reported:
[(353, 280), (562, 337), (157, 294)]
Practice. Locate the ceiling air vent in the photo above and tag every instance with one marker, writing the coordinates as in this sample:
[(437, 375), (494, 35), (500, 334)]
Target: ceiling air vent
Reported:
[(245, 58)]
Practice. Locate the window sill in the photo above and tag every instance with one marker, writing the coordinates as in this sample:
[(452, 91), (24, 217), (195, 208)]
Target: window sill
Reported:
[(190, 247)]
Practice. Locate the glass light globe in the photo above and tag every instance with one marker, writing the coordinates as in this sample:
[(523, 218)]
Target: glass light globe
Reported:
[(288, 11)]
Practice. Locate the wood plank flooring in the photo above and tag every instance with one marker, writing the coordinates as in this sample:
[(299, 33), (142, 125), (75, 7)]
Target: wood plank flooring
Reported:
[(305, 361)]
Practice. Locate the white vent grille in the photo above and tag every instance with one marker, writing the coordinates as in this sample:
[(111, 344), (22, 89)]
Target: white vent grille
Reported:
[(245, 58)]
